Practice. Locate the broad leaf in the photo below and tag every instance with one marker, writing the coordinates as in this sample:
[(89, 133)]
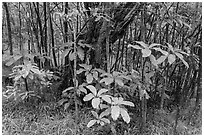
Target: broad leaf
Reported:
[(104, 113), (66, 105), (89, 78), (102, 123), (94, 114), (182, 52), (181, 58), (62, 101), (67, 89), (80, 53), (95, 102), (119, 82), (171, 58), (65, 53), (100, 71), (80, 70), (105, 120), (162, 51), (102, 106), (128, 103), (36, 71), (161, 59), (142, 44), (154, 44), (101, 91), (125, 115), (106, 74), (91, 123), (146, 52), (170, 47), (106, 98), (88, 97), (82, 89), (95, 75), (134, 46), (87, 67), (71, 56), (92, 89), (115, 112), (116, 73), (107, 80), (144, 93), (153, 60)]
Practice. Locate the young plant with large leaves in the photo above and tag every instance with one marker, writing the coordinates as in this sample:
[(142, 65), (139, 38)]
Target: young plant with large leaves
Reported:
[(97, 97)]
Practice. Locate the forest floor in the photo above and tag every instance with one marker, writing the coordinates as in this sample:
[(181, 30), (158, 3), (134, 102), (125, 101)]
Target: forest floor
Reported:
[(48, 119)]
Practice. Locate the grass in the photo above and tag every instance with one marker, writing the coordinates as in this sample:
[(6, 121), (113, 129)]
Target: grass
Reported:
[(49, 119)]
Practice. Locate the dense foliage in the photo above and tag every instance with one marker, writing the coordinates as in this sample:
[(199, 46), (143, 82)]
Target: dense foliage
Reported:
[(122, 67)]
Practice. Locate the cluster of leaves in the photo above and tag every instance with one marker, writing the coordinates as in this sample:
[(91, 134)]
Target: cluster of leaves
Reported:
[(170, 53), (97, 89), (29, 81)]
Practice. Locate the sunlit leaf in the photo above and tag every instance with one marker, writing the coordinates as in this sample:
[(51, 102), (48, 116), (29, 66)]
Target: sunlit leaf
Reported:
[(125, 115), (161, 59), (107, 80), (106, 98), (144, 93), (10, 62), (85, 66), (80, 53), (128, 103), (116, 73), (115, 112), (82, 89), (142, 44), (119, 82), (66, 106), (181, 58), (65, 53), (104, 113), (71, 56), (62, 101), (166, 96), (182, 52), (80, 70), (146, 52), (102, 106), (95, 75), (153, 60), (125, 77), (94, 114), (67, 89), (101, 91), (170, 47), (92, 89), (106, 74), (154, 45), (88, 97), (134, 46), (95, 102), (91, 123), (100, 70), (161, 50), (102, 123), (105, 120), (89, 78), (171, 58)]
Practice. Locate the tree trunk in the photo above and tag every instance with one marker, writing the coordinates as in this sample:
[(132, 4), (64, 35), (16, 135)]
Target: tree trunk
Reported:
[(8, 27), (52, 37)]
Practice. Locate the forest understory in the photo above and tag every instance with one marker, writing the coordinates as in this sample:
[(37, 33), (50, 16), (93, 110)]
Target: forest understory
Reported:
[(101, 68)]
